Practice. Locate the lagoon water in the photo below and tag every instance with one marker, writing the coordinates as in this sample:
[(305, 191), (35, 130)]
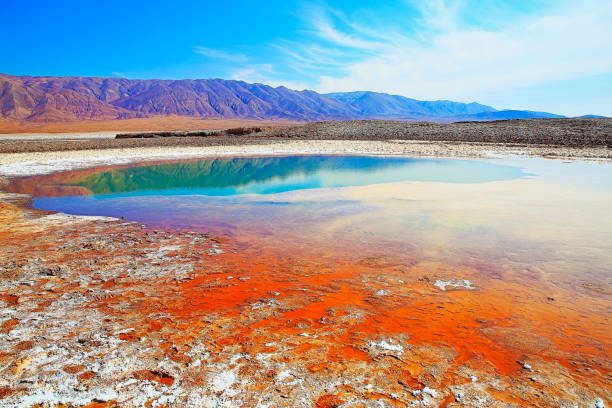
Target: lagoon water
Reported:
[(379, 204), (549, 214), (273, 175)]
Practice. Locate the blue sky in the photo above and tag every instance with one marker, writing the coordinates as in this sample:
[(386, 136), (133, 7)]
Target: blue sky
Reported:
[(546, 55)]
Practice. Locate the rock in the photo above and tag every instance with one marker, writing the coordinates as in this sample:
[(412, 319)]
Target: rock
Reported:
[(51, 270)]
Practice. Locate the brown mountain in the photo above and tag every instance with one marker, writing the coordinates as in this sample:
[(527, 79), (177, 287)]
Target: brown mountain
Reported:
[(62, 99), (46, 100), (79, 98)]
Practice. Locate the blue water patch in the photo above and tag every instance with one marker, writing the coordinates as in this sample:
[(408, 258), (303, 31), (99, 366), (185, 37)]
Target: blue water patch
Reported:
[(228, 178), (273, 175)]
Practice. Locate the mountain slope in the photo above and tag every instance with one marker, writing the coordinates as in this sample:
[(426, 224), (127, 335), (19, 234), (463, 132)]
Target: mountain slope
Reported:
[(507, 115), (77, 98), (59, 99), (23, 100), (381, 105)]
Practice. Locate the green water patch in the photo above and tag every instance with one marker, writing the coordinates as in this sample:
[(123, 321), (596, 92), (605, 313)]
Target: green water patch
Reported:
[(272, 175)]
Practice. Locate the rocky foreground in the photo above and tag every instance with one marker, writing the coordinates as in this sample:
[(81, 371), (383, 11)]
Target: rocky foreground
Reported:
[(102, 313)]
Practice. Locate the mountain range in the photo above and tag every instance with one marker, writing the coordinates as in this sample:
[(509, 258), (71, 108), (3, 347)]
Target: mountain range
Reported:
[(59, 99)]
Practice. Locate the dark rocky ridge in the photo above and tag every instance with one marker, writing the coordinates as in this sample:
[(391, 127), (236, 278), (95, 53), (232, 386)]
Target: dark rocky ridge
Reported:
[(585, 132)]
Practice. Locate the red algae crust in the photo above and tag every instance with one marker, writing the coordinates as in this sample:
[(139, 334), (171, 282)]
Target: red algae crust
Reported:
[(102, 313)]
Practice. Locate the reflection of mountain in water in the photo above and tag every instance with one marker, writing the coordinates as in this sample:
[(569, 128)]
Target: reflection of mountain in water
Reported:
[(226, 176), (222, 173)]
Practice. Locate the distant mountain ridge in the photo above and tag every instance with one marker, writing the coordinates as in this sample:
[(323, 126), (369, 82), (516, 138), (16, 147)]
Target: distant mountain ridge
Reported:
[(381, 105), (56, 99), (507, 115)]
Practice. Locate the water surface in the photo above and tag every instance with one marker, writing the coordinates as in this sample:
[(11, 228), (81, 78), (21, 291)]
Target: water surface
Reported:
[(272, 175)]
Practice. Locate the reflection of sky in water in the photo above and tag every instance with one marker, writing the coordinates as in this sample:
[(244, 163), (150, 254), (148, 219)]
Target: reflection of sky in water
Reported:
[(597, 173), (546, 214)]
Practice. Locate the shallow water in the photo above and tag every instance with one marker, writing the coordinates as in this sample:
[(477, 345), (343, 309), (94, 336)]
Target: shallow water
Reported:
[(532, 237), (273, 175), (520, 210)]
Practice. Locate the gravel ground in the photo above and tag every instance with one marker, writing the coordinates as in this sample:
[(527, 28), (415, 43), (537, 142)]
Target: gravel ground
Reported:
[(574, 133), (54, 145), (56, 136), (550, 132)]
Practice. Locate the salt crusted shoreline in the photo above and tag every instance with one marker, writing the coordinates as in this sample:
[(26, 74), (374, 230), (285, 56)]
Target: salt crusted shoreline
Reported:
[(25, 164)]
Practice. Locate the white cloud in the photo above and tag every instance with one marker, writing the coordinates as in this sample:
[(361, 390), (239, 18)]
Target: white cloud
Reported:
[(325, 29), (440, 15), (219, 54), (447, 58)]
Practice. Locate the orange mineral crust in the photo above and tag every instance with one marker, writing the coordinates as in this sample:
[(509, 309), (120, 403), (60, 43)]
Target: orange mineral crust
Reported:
[(99, 312)]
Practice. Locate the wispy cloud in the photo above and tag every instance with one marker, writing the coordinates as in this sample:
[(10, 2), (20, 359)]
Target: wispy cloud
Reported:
[(436, 53), (324, 28), (265, 74), (220, 54), (314, 57), (440, 15)]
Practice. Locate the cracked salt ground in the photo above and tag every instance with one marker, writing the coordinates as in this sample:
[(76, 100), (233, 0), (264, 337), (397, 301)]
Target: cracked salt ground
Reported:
[(383, 346), (457, 284)]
